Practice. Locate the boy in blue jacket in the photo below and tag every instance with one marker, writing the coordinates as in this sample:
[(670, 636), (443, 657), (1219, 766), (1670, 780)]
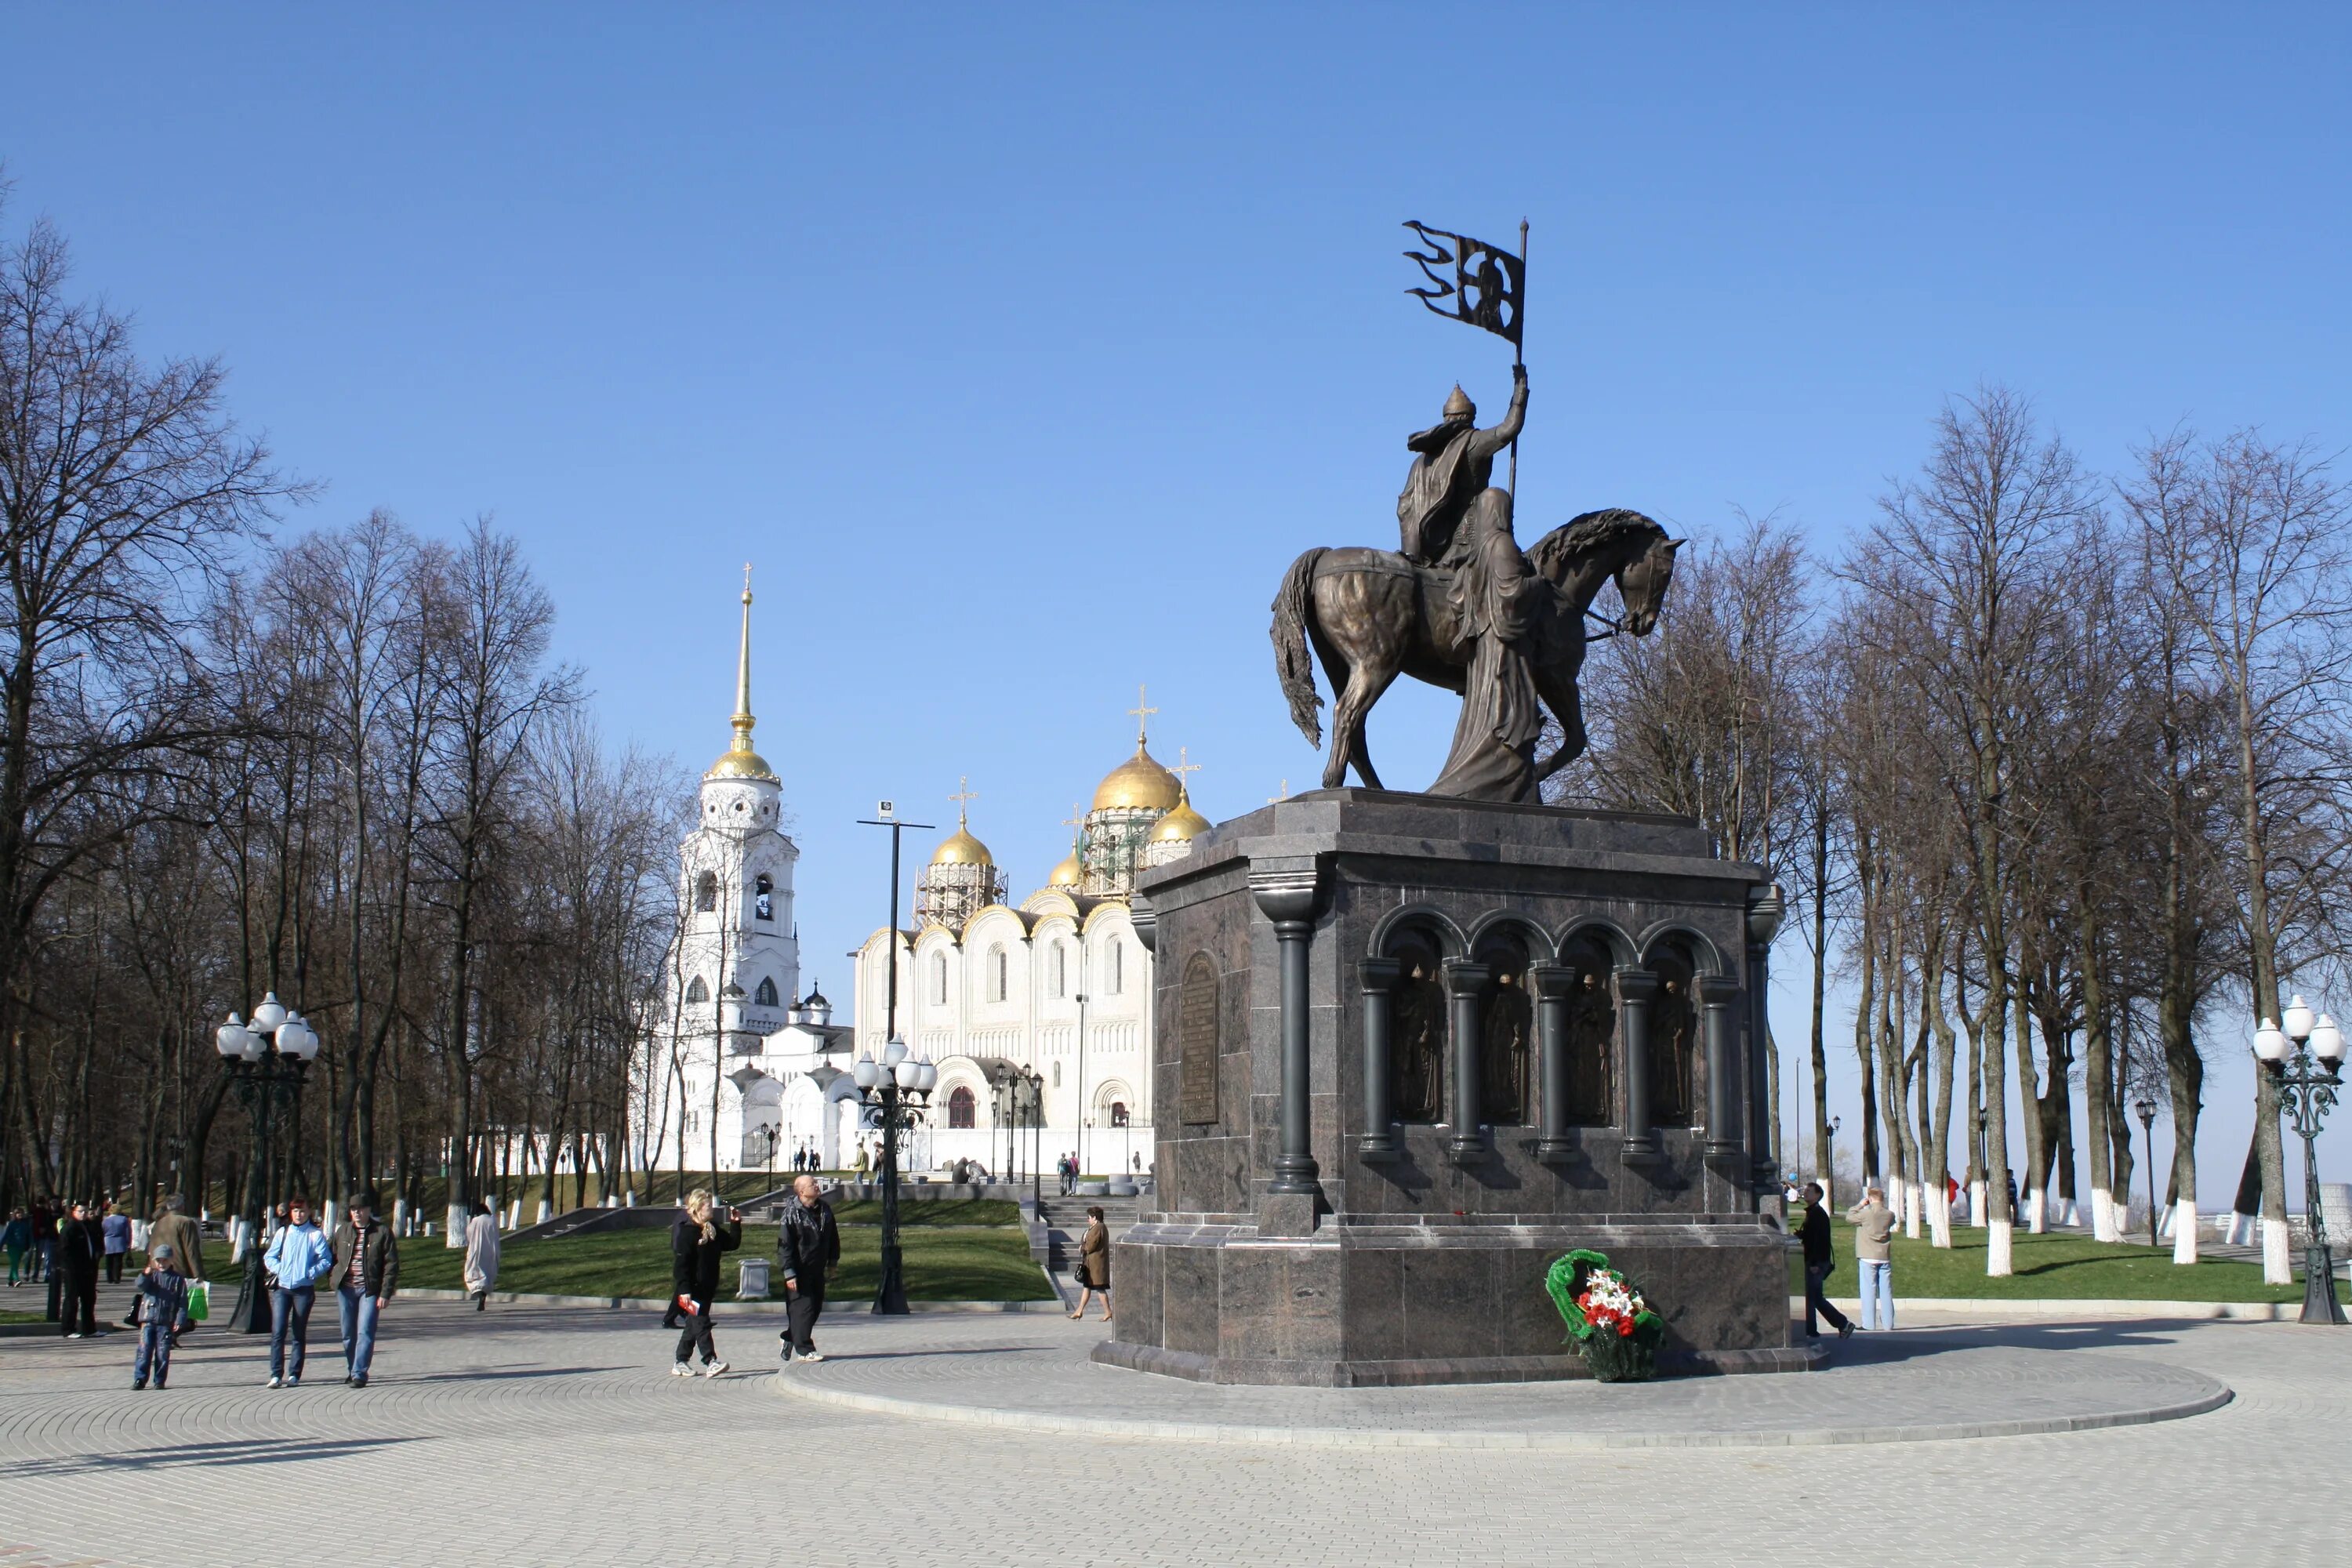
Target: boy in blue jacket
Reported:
[(165, 1289)]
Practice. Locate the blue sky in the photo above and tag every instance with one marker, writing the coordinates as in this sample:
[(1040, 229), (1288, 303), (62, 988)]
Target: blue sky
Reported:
[(1021, 348)]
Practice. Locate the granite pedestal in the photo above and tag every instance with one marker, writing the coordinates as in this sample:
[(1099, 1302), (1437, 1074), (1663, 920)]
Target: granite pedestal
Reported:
[(1410, 1050)]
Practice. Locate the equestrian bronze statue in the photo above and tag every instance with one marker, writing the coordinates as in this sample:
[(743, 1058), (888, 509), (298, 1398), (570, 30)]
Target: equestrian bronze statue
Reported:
[(1461, 606)]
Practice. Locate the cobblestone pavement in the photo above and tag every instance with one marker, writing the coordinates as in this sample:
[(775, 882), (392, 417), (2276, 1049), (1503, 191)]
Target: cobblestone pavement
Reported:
[(530, 1437)]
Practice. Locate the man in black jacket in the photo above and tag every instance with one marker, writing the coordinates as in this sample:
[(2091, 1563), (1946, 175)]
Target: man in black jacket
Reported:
[(79, 1248), (1815, 1233), (366, 1272), (808, 1247)]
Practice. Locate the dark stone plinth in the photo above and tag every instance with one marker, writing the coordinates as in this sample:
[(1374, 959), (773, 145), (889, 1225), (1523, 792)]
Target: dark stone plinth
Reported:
[(1420, 1254)]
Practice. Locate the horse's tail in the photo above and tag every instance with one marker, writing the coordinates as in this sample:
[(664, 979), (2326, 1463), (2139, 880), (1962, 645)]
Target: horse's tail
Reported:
[(1292, 661)]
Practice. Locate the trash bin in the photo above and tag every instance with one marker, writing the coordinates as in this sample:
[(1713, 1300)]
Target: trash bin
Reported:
[(751, 1282)]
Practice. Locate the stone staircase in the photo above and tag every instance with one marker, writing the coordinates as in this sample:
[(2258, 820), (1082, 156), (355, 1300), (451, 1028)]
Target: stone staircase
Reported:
[(1065, 1220)]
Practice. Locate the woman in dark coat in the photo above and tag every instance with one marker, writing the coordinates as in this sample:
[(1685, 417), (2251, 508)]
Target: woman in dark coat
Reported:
[(695, 1246), (1094, 1263)]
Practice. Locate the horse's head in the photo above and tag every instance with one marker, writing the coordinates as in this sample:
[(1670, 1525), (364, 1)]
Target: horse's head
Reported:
[(1615, 544), (1642, 584)]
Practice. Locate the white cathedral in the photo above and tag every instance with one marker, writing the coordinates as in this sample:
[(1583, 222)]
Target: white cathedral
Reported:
[(1054, 994), (1038, 1018)]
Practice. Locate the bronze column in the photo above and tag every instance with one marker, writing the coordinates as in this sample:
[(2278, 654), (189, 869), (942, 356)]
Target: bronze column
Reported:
[(1462, 980), (1288, 895), (1551, 984), (1719, 995), (1377, 1141), (1636, 989), (1765, 910)]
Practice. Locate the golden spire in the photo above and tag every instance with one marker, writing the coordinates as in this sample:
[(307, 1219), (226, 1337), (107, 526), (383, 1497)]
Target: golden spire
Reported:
[(743, 720), (739, 761)]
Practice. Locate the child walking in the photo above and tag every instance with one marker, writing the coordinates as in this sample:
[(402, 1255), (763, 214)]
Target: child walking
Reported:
[(164, 1290)]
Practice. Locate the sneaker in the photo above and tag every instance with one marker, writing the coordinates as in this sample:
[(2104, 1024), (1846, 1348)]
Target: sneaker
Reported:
[(293, 1383), (679, 1368), (811, 1356), (275, 1383), (358, 1382), (713, 1368), (1845, 1331), (73, 1336), (139, 1383)]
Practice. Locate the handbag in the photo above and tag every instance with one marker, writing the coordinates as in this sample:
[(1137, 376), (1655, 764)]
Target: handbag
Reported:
[(200, 1300)]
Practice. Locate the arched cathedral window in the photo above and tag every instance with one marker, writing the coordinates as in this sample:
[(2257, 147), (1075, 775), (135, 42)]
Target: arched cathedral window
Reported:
[(765, 996), (1061, 970), (939, 978), (764, 905), (999, 974), (706, 892), (1058, 1075), (1118, 965), (696, 991), (961, 1106)]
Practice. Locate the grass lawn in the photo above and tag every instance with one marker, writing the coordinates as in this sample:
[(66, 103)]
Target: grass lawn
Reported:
[(41, 1317), (931, 1212), (2055, 1266), (941, 1265)]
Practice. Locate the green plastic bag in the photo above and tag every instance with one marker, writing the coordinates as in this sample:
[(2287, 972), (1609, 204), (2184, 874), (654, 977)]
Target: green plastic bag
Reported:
[(200, 1299)]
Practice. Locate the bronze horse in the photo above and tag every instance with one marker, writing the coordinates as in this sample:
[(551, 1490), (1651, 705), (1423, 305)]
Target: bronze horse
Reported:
[(1372, 616)]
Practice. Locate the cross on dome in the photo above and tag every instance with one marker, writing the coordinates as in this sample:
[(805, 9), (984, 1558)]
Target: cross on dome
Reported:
[(1142, 710)]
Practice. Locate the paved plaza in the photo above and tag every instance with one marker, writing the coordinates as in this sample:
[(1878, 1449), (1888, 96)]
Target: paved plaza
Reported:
[(555, 1435)]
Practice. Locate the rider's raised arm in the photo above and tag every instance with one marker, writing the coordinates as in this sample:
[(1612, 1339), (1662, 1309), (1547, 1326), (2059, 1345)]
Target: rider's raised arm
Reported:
[(1486, 443)]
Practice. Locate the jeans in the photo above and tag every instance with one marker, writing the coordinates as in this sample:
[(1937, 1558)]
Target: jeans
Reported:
[(16, 1263), (45, 1256), (290, 1309), (359, 1330), (1816, 1276), (697, 1334), (1877, 1292), (155, 1351)]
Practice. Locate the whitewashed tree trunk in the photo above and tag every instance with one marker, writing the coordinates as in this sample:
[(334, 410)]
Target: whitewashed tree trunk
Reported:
[(1977, 1214), (236, 1235), (400, 1216), (2278, 1267), (2184, 1231), (1914, 1195), (1998, 1263), (328, 1215), (2104, 1226), (2037, 1210), (1940, 1217), (514, 1214), (546, 1211), (454, 1226)]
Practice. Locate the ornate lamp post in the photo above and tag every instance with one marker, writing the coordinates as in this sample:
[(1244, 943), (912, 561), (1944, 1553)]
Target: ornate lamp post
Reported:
[(773, 1131), (267, 1060), (2145, 1109), (2307, 1080), (897, 1093)]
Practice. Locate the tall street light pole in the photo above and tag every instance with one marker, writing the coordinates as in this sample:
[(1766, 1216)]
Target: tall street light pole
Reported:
[(2144, 1110), (894, 1090), (266, 1060), (2307, 1080)]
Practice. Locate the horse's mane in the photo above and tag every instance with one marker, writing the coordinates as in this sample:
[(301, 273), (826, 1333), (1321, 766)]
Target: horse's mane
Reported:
[(1587, 535)]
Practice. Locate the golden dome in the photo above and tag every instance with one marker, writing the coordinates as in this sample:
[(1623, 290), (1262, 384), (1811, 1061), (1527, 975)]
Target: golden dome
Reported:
[(741, 762), (1138, 783), (961, 848), (1068, 873), (1181, 825)]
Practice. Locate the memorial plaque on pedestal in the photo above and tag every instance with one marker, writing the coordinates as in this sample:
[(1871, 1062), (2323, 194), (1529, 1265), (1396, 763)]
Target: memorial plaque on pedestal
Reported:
[(1196, 1042)]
